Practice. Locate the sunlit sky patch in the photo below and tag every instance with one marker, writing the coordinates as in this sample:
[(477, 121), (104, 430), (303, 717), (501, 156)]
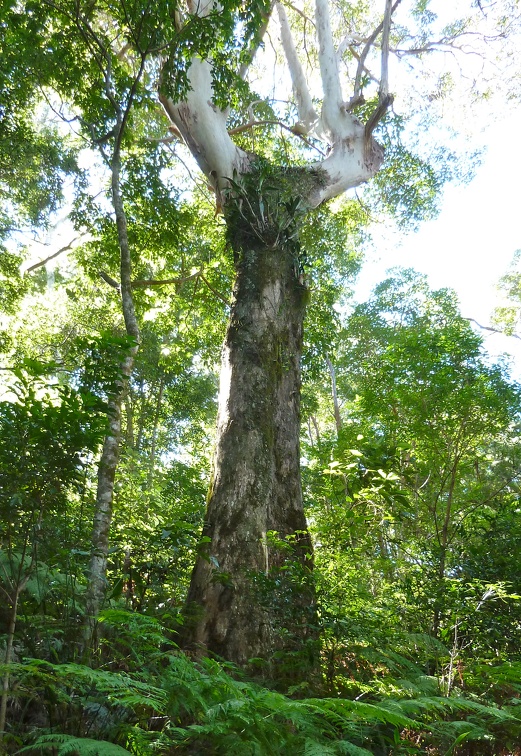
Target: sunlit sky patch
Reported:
[(472, 242)]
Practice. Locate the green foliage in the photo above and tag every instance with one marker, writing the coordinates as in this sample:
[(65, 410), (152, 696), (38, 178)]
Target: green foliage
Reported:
[(410, 183), (506, 316), (67, 744), (100, 374), (46, 429), (413, 498), (163, 701)]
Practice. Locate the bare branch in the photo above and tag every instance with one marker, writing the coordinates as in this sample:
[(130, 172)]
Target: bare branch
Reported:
[(386, 31), (163, 140), (493, 330), (51, 257), (299, 12), (243, 70), (306, 111), (214, 291), (328, 66), (377, 115), (145, 283), (357, 90), (385, 100), (297, 129), (109, 280), (347, 43)]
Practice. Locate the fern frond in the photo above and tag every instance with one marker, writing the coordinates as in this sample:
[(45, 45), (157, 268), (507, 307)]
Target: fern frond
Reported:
[(344, 747), (343, 709), (438, 705), (312, 748), (460, 732), (67, 744)]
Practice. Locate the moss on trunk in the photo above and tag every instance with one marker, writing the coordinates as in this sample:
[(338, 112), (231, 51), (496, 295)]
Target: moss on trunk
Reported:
[(251, 593)]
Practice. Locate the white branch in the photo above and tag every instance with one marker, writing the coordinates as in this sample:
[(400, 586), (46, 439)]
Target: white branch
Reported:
[(201, 122), (203, 127), (354, 156), (328, 68), (351, 162), (306, 112), (201, 8), (370, 42), (386, 31)]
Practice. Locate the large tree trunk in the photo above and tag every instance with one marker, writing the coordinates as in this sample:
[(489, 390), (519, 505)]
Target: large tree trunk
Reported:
[(242, 600), (242, 582)]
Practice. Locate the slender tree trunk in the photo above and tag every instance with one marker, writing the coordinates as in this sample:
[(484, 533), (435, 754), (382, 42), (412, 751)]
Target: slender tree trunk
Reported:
[(336, 405), (8, 658), (97, 584), (236, 593), (17, 587), (129, 413), (141, 405), (153, 442), (443, 542)]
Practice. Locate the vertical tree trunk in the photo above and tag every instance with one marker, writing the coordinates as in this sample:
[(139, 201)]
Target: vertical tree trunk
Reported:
[(256, 485), (97, 584), (155, 428), (336, 406), (256, 480), (443, 545), (17, 586)]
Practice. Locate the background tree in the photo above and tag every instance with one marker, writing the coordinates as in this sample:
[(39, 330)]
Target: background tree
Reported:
[(424, 463)]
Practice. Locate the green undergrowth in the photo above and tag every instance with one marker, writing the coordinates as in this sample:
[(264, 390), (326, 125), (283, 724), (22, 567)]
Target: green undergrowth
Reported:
[(150, 698)]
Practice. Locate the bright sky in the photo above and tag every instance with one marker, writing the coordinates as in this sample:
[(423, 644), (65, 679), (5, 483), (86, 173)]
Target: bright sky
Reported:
[(472, 242)]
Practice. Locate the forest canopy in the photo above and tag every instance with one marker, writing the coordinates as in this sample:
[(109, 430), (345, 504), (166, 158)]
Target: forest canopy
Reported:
[(239, 511)]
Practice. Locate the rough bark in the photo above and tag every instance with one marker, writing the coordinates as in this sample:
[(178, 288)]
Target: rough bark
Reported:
[(238, 589)]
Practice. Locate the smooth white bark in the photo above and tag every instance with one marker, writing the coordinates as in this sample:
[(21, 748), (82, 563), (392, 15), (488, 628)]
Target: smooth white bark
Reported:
[(351, 162), (328, 68), (386, 32), (200, 8), (354, 157), (306, 112), (203, 127)]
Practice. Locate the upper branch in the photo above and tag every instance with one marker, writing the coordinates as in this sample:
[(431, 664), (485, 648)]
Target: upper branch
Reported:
[(386, 32), (384, 98), (256, 43), (389, 10), (306, 111), (328, 67)]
